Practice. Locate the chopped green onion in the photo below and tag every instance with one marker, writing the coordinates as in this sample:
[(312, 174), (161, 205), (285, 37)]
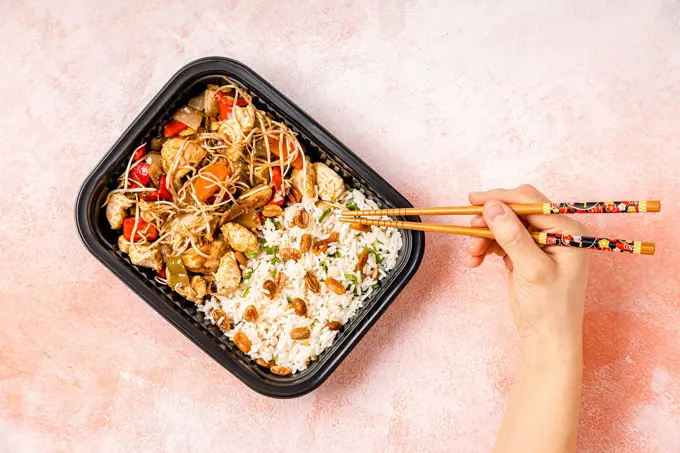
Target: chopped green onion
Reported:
[(352, 206), (324, 214), (376, 286), (271, 250), (374, 251), (250, 255), (275, 260), (352, 278), (324, 266), (276, 223), (262, 240), (247, 274), (246, 292), (273, 272)]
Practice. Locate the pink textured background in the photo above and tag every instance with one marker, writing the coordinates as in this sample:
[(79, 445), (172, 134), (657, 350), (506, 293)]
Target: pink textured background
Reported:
[(581, 99)]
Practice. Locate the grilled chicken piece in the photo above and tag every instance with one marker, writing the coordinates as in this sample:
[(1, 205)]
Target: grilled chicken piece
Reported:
[(116, 210), (200, 264), (240, 238), (237, 128), (192, 154), (123, 245), (195, 291), (146, 256), (306, 188), (228, 275), (331, 185)]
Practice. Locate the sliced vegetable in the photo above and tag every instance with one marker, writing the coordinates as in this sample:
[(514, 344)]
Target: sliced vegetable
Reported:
[(189, 116), (197, 102), (140, 152), (374, 251), (139, 174), (249, 219), (282, 152), (173, 128), (177, 272), (352, 278), (250, 255), (204, 187), (155, 162), (226, 104), (279, 191), (352, 206), (324, 214), (247, 274), (271, 250), (145, 230), (162, 193), (211, 106), (246, 292), (162, 273)]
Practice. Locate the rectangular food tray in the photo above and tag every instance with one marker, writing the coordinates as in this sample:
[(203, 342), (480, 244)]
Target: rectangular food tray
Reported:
[(320, 145)]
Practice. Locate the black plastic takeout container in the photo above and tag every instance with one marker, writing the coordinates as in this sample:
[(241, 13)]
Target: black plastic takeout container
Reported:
[(320, 145)]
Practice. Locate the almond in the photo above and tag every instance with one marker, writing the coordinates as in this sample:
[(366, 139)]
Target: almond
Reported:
[(280, 370), (241, 258), (312, 283), (320, 247), (280, 280), (334, 286), (270, 287), (261, 362), (305, 243), (272, 210), (300, 333), (300, 307), (301, 218), (251, 314), (361, 262), (334, 325), (218, 315), (242, 342), (294, 195), (360, 227), (290, 254)]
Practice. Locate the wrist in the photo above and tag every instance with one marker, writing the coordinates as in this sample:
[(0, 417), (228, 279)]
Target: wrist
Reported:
[(559, 350)]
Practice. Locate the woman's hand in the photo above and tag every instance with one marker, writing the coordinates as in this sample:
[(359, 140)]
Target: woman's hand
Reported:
[(546, 286), (547, 293)]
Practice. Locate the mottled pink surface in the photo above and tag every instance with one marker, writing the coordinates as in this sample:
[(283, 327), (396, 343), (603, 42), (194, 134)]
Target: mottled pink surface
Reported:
[(581, 99)]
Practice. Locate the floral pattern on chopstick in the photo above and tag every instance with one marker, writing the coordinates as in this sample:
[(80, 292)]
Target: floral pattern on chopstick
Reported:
[(588, 242), (608, 207)]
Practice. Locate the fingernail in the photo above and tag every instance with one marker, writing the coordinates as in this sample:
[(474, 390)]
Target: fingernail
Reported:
[(493, 212)]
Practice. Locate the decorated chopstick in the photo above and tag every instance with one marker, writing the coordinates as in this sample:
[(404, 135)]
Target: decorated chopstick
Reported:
[(566, 240), (594, 207)]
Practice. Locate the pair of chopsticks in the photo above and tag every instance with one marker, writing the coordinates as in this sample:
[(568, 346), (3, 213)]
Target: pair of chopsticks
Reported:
[(586, 242)]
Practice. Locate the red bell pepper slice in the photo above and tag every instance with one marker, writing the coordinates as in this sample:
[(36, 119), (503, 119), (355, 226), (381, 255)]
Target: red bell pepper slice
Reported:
[(145, 230), (279, 192), (226, 104), (162, 274), (162, 193), (140, 152), (173, 128), (139, 175)]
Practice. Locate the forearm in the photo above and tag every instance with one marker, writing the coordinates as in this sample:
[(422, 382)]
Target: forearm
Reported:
[(542, 414)]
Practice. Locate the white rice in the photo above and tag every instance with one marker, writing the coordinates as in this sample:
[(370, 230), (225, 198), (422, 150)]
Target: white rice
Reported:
[(270, 335)]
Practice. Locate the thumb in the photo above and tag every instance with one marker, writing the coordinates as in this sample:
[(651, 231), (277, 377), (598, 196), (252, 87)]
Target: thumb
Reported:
[(514, 238)]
